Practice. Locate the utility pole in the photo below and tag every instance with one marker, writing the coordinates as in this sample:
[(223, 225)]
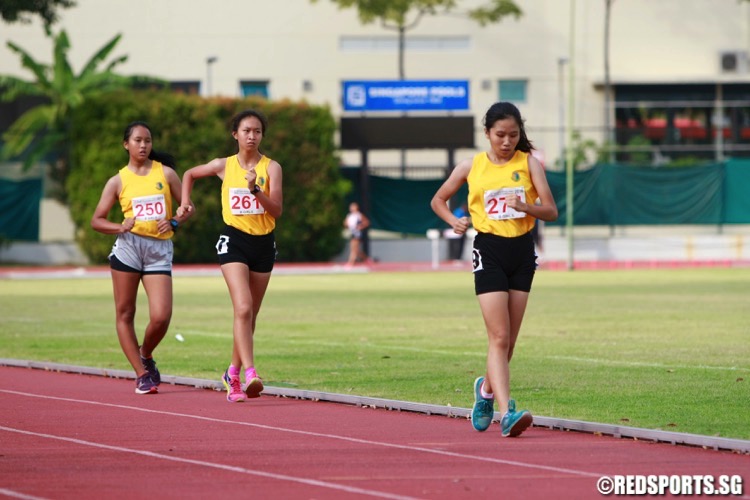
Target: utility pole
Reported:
[(569, 167), (209, 63)]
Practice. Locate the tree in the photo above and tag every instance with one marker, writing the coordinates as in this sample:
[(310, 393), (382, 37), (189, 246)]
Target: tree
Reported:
[(19, 10), (43, 132), (403, 15)]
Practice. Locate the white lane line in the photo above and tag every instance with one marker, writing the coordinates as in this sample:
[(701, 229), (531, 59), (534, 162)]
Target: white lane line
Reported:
[(16, 494), (230, 468), (323, 435)]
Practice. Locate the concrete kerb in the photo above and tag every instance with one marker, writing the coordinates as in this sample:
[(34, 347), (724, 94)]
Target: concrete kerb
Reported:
[(635, 433)]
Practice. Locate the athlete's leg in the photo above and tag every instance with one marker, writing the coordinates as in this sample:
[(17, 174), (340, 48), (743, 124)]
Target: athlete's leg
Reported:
[(517, 307), (494, 306), (159, 290), (125, 286), (246, 289)]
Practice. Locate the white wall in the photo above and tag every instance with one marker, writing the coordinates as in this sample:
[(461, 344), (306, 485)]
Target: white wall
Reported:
[(290, 41)]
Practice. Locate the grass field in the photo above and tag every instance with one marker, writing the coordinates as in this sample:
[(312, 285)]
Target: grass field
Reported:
[(660, 349)]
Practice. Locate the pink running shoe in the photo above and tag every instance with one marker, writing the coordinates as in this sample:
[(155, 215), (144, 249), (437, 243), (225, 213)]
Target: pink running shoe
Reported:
[(234, 388), (254, 385)]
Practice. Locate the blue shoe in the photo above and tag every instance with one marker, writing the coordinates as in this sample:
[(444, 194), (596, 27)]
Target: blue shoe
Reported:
[(144, 385), (515, 422), (483, 410), (150, 365)]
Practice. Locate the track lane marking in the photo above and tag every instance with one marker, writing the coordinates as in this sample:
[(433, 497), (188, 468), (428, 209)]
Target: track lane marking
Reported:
[(16, 494), (230, 468), (323, 435)]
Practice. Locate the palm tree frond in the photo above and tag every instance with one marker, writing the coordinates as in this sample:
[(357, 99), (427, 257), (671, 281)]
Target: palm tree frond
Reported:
[(63, 78), (116, 62), (101, 82), (28, 62), (13, 87), (42, 132), (25, 129), (100, 56), (48, 144)]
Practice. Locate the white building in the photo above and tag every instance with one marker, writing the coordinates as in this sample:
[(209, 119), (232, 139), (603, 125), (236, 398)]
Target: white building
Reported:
[(659, 50), (674, 65)]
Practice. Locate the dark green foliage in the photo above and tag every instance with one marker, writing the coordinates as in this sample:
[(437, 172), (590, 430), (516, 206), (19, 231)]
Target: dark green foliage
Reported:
[(195, 130), (21, 10)]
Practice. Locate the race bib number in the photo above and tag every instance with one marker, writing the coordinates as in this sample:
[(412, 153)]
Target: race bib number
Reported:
[(243, 202), (497, 208), (147, 208)]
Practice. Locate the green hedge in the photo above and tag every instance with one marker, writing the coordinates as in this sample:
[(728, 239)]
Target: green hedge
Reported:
[(195, 130)]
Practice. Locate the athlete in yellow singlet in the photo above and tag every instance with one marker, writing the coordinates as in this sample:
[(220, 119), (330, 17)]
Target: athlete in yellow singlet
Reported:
[(143, 249), (147, 199), (251, 201), (504, 184)]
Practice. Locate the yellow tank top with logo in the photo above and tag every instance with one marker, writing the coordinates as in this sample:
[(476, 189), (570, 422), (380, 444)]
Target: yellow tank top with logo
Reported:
[(489, 184), (146, 198), (239, 207)]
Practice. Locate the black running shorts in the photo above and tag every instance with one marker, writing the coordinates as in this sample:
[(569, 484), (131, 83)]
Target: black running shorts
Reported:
[(257, 252), (502, 264)]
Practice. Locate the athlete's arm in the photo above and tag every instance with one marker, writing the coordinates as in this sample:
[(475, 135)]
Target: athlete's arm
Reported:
[(273, 202), (439, 203), (547, 210), (109, 197), (214, 167)]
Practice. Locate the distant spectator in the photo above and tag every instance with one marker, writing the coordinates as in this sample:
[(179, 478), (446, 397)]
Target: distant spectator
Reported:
[(356, 222)]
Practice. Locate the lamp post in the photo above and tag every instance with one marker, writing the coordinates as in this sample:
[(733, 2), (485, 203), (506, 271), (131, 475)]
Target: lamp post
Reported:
[(569, 167), (561, 62), (209, 62)]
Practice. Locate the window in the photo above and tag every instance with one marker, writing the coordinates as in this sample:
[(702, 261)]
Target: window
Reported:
[(254, 87), (680, 121), (186, 87), (190, 87), (512, 90)]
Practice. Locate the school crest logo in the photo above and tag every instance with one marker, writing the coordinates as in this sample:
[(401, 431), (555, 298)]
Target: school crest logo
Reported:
[(515, 176), (262, 181), (159, 186)]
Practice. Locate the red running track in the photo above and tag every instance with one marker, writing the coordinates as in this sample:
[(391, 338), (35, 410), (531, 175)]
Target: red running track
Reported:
[(79, 436)]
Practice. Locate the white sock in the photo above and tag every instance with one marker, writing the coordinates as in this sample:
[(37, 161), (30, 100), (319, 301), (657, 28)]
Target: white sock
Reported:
[(485, 395)]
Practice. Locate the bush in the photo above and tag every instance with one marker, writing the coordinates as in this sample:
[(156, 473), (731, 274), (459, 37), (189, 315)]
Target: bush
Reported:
[(196, 130)]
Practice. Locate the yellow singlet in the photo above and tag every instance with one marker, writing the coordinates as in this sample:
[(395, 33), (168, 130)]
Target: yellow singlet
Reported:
[(148, 199), (239, 208), (489, 184)]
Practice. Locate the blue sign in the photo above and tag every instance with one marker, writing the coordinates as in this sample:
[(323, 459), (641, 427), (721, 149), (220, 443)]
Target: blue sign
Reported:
[(406, 95)]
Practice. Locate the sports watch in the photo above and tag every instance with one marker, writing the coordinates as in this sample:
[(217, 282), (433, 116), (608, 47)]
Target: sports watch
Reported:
[(174, 224), (256, 189)]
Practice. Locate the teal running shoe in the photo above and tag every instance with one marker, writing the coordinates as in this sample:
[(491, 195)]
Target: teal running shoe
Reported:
[(483, 410), (515, 422)]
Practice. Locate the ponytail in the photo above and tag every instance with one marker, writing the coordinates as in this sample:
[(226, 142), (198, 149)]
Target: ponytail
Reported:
[(163, 158)]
